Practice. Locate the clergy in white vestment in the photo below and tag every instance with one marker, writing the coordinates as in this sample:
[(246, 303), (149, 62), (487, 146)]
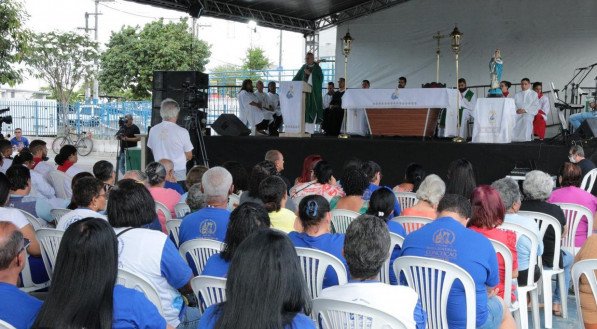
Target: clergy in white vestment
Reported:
[(249, 106), (264, 100), (274, 107), (468, 99), (527, 106), (327, 97)]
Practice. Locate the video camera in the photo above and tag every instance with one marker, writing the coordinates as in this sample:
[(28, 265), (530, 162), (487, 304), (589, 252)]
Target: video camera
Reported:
[(5, 119)]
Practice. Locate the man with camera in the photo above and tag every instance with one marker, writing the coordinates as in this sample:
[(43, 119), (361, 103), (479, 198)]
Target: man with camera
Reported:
[(126, 136)]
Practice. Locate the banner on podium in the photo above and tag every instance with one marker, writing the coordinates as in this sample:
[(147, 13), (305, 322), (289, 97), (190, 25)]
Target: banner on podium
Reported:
[(494, 120), (292, 104)]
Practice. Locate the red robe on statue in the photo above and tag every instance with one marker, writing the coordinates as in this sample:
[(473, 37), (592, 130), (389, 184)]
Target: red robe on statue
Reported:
[(539, 124)]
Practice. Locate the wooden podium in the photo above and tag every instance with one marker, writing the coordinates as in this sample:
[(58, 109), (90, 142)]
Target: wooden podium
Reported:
[(292, 103)]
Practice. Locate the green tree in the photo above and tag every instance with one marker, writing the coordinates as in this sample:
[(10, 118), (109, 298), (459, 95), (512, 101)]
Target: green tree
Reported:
[(255, 60), (14, 40), (133, 53), (63, 60)]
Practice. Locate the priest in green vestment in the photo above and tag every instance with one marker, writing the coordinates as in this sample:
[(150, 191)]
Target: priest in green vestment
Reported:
[(311, 73)]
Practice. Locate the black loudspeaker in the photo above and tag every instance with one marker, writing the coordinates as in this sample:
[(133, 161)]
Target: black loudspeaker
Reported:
[(187, 88), (230, 125), (588, 129)]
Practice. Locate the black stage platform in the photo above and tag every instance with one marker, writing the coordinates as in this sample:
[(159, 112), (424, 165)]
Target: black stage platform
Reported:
[(491, 161)]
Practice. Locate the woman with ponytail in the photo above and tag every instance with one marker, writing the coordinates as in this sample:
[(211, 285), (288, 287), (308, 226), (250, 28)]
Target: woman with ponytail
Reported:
[(315, 219)]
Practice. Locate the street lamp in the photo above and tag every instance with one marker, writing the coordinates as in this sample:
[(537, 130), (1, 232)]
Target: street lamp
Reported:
[(456, 37), (346, 48)]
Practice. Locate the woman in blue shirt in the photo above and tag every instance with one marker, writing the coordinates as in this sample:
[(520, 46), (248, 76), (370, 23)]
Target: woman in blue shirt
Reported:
[(84, 293), (264, 271), (315, 218), (244, 220)]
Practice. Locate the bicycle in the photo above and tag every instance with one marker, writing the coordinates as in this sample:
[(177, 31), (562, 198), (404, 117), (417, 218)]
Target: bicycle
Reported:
[(84, 143)]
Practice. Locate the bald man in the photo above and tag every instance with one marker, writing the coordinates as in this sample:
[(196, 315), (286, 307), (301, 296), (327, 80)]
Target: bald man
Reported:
[(16, 307)]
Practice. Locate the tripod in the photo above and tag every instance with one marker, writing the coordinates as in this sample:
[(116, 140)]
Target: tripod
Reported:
[(193, 125)]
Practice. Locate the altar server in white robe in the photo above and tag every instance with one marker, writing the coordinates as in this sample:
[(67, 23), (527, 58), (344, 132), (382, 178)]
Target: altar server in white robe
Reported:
[(327, 97), (527, 106), (468, 100), (249, 106)]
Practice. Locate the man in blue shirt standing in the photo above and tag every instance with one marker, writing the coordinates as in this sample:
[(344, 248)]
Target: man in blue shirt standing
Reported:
[(448, 239), (210, 222), (16, 307), (19, 141)]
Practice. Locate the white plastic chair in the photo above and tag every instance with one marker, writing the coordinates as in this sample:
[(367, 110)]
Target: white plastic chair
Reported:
[(341, 218), (433, 279), (574, 213), (589, 180), (200, 250), (544, 222), (134, 281), (412, 223), (233, 201), (6, 325), (34, 221), (49, 241), (314, 263), (173, 227), (336, 314), (587, 268), (160, 207), (384, 274), (181, 209), (58, 212), (503, 250), (522, 316), (59, 181), (28, 284), (210, 289), (406, 199)]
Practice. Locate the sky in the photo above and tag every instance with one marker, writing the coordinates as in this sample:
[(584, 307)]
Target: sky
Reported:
[(228, 40)]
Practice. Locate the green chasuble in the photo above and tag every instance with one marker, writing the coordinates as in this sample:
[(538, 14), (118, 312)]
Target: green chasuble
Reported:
[(313, 102)]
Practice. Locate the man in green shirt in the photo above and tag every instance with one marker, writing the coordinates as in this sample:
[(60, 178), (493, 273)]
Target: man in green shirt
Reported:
[(311, 73)]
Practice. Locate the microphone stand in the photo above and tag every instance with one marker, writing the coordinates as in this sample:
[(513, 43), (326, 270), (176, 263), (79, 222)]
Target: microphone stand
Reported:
[(570, 82)]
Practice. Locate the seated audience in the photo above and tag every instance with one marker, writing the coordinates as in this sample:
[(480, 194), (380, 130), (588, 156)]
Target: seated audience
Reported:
[(322, 183), (210, 222), (148, 253), (136, 175), (315, 219), (277, 158), (588, 306), (259, 172), (366, 250), (473, 253), (156, 178), (354, 184), (90, 197), (244, 220), (487, 215), (39, 150), (17, 308), (307, 169), (193, 177), (570, 192), (39, 184), (413, 177), (373, 172), (195, 198), (66, 160), (6, 153), (429, 193), (537, 188), (510, 195), (277, 286), (272, 192), (577, 155), (240, 176), (84, 293), (104, 171), (382, 205), (461, 178), (72, 205), (21, 198), (171, 182)]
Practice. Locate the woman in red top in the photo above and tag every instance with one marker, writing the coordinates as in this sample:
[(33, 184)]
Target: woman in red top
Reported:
[(66, 157), (487, 214)]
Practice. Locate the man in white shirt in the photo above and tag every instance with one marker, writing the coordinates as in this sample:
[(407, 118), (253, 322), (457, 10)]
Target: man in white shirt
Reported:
[(39, 150), (249, 107), (366, 248), (527, 106), (327, 98), (468, 100), (267, 114), (90, 197), (167, 140), (6, 150), (274, 106)]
